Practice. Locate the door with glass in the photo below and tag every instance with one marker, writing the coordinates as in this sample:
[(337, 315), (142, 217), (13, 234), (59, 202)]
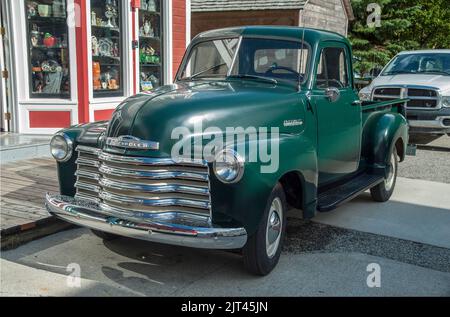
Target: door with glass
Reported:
[(107, 48), (150, 45), (48, 49)]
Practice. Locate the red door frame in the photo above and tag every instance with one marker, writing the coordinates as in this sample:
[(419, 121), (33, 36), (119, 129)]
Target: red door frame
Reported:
[(82, 62)]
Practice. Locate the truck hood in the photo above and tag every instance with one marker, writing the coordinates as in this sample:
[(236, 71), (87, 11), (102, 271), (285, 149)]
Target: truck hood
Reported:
[(436, 81), (231, 104)]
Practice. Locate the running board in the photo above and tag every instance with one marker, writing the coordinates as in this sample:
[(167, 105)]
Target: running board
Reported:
[(336, 196)]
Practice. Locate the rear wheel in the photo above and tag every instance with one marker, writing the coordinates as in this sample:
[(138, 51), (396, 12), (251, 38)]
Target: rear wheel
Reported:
[(384, 191), (105, 235), (263, 249)]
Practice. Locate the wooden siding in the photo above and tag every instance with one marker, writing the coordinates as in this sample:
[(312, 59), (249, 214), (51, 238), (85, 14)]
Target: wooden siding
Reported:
[(326, 14), (204, 21)]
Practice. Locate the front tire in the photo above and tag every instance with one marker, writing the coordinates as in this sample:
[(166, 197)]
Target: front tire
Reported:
[(383, 192), (263, 249)]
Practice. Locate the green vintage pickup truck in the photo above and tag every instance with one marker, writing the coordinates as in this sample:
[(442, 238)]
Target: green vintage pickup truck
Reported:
[(259, 121)]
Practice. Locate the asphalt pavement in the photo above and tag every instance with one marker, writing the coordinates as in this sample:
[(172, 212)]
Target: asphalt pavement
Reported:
[(406, 239)]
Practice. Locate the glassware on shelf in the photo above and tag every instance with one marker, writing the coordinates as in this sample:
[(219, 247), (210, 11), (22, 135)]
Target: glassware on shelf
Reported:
[(106, 43), (48, 52), (150, 44)]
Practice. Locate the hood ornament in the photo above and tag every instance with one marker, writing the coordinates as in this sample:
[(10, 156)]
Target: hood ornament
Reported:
[(131, 142)]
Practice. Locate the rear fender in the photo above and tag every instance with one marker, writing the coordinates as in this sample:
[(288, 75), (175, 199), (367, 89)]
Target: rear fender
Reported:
[(381, 133)]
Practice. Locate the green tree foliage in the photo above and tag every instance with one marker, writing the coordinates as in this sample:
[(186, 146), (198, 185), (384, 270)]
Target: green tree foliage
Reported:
[(405, 25)]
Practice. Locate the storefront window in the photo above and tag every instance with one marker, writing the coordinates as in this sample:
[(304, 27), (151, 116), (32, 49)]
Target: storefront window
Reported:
[(107, 63), (47, 35), (150, 45)]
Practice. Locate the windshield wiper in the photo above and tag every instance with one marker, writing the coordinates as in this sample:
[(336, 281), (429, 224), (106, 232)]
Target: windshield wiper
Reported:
[(398, 72), (242, 76), (434, 72), (206, 70)]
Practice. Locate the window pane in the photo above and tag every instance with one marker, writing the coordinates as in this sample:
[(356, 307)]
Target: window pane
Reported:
[(48, 48), (276, 59), (211, 59), (150, 44), (107, 64), (332, 70)]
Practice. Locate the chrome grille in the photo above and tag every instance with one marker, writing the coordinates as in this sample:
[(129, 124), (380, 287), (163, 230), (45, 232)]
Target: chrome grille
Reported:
[(420, 98), (137, 186)]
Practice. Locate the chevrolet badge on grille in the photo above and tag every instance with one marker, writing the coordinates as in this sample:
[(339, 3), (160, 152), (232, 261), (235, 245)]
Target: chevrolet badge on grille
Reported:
[(131, 142)]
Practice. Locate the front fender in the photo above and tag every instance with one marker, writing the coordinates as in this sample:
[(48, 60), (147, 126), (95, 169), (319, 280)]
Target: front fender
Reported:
[(381, 132), (86, 134), (245, 201)]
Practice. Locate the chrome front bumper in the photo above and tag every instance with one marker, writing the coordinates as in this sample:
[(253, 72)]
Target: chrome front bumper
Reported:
[(172, 228)]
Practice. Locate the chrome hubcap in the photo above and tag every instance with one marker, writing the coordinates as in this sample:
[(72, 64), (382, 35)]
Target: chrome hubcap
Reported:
[(389, 181), (274, 226)]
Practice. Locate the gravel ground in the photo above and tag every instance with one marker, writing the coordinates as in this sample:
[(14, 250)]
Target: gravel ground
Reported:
[(432, 162), (309, 237)]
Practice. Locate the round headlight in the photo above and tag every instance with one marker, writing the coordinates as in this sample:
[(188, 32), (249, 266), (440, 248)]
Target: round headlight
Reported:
[(446, 102), (61, 147), (229, 166)]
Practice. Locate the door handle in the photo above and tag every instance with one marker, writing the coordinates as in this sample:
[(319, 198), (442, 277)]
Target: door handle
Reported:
[(357, 103)]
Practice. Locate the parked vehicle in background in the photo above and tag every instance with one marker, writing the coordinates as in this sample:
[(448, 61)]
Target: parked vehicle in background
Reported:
[(119, 178), (424, 78)]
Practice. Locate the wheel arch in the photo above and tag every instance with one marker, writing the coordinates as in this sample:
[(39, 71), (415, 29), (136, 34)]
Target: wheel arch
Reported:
[(384, 133)]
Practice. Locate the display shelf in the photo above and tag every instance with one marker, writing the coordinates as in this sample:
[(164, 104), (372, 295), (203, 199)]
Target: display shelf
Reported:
[(48, 51), (101, 27), (150, 45), (106, 43)]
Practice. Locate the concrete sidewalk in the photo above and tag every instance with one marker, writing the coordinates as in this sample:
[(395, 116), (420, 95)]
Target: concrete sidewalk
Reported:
[(418, 211), (16, 147)]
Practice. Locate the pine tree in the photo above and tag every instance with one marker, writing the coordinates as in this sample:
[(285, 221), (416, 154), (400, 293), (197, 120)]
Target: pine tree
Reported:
[(405, 25)]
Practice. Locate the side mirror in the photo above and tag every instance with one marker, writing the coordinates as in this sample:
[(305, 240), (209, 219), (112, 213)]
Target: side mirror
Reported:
[(332, 94)]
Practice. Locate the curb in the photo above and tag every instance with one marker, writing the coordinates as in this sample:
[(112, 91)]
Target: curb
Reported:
[(16, 236)]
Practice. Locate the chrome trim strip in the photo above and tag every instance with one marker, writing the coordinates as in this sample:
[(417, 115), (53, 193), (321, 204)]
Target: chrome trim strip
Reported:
[(86, 174), (88, 187), (157, 175), (183, 189), (87, 197), (149, 161), (88, 149), (155, 202), (87, 162), (197, 234), (145, 216)]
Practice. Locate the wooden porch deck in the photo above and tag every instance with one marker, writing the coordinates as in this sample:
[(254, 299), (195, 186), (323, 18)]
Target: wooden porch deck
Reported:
[(23, 187)]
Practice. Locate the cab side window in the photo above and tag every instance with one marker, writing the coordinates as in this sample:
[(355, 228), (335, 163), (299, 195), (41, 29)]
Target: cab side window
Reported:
[(332, 71)]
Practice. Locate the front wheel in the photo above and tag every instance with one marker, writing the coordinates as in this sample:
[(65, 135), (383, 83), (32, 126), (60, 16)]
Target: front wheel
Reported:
[(263, 249), (383, 191)]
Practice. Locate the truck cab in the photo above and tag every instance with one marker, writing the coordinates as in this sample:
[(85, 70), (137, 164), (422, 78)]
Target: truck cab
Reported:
[(260, 120), (423, 77)]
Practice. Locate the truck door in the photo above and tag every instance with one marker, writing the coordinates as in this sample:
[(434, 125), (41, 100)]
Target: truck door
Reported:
[(338, 113)]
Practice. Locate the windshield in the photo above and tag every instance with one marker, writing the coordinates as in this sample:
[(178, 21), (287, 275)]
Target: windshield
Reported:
[(251, 58), (431, 63)]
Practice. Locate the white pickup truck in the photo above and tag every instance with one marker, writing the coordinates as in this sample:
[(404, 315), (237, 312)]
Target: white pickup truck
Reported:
[(424, 78)]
